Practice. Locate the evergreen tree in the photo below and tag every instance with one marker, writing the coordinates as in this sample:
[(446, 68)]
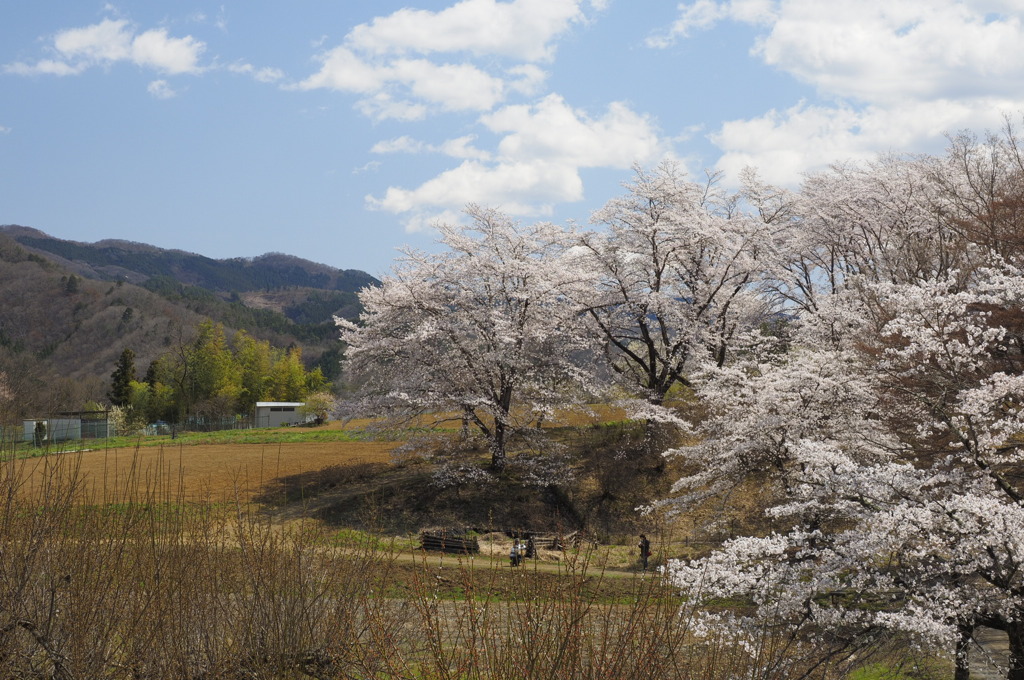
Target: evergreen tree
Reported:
[(120, 393)]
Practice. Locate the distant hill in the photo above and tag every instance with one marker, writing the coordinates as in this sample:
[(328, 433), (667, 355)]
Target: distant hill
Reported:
[(70, 308)]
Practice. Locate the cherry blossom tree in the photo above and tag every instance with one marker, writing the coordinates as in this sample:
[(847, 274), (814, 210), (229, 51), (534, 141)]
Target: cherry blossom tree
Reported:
[(477, 332), (671, 278), (889, 433)]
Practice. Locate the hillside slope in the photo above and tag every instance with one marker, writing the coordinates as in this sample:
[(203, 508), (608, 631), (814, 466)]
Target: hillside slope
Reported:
[(71, 308)]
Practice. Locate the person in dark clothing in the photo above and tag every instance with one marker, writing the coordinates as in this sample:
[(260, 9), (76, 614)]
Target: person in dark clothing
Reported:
[(645, 551)]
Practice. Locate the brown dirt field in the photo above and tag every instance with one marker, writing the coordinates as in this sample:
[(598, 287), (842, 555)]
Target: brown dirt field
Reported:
[(210, 473)]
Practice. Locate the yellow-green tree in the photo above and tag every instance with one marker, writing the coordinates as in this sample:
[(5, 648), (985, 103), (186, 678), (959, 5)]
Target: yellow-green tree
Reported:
[(255, 360), (288, 376), (218, 380)]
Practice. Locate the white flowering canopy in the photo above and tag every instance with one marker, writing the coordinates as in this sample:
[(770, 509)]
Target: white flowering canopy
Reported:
[(479, 330), (891, 429)]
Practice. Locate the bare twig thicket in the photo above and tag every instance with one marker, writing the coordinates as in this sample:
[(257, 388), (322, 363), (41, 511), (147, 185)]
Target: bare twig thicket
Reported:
[(127, 580)]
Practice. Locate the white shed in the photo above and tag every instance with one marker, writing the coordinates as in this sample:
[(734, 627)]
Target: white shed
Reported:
[(74, 425), (279, 413), (53, 429)]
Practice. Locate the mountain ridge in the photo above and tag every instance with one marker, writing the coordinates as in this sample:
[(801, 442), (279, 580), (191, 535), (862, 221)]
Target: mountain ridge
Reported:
[(72, 307), (136, 262)]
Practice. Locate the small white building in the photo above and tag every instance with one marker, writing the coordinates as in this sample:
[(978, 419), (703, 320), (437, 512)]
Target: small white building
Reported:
[(68, 427), (279, 413)]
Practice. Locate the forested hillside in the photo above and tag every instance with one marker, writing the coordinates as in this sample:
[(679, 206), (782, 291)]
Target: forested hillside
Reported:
[(71, 308)]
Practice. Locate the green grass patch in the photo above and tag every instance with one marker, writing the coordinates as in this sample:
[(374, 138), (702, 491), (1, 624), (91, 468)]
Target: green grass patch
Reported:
[(253, 436), (878, 671)]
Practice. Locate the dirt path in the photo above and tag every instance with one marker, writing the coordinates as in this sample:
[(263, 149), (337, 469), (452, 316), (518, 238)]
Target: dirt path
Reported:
[(990, 656)]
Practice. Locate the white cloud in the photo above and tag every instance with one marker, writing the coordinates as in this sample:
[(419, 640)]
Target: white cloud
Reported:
[(161, 89), (460, 147), (416, 82), (530, 79), (47, 67), (372, 166), (268, 74), (785, 145), (429, 220), (520, 188), (4, 130), (383, 106), (538, 163), (552, 129), (888, 75), (342, 70), (171, 55), (263, 75), (112, 41), (883, 52), (106, 41), (395, 62), (877, 51), (701, 15), (403, 144), (453, 87), (522, 29)]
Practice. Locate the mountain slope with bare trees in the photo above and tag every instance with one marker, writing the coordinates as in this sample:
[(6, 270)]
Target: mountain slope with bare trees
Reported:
[(71, 308)]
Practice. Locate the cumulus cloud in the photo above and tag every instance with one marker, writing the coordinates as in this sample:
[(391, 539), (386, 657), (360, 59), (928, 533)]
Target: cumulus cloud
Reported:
[(471, 56), (161, 89), (522, 29), (460, 147), (372, 166), (889, 75), (877, 50), (48, 67), (543, 148), (784, 145), (111, 41), (478, 57), (263, 75), (171, 55), (552, 129), (383, 106), (403, 144), (703, 14), (452, 87)]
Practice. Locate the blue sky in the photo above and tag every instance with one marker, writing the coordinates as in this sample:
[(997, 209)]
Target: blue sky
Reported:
[(339, 131)]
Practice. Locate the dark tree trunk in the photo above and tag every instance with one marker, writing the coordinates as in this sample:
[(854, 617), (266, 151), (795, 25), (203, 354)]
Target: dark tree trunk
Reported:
[(498, 447), (963, 645), (1015, 633)]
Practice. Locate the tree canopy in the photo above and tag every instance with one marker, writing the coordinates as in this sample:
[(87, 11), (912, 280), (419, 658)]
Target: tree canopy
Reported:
[(856, 348), (209, 377), (889, 435), (476, 332)]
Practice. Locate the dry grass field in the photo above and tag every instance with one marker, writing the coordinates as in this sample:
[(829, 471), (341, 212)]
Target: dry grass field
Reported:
[(211, 473), (112, 581)]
